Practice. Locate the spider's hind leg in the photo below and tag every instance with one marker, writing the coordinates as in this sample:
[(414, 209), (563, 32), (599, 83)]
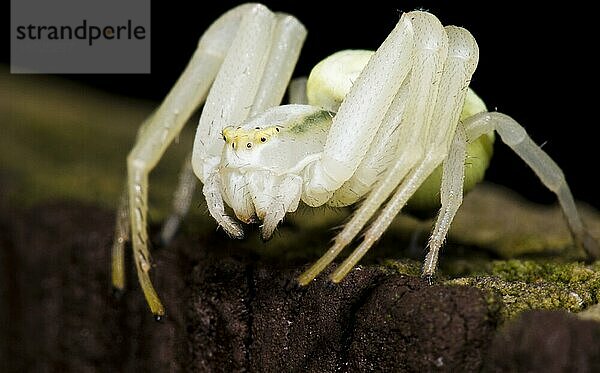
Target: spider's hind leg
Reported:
[(451, 197), (515, 136), (182, 200)]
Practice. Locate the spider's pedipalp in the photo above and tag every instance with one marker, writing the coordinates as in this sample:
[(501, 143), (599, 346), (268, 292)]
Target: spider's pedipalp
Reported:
[(286, 200), (214, 201)]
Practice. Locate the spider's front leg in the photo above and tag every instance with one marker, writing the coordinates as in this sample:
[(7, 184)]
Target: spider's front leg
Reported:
[(380, 96), (250, 53), (361, 114), (154, 137), (440, 71)]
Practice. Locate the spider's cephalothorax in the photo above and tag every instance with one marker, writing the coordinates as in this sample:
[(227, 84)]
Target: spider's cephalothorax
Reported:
[(262, 166), (399, 122)]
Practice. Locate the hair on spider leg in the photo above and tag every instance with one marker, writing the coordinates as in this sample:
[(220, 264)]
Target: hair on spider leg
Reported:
[(400, 11), (422, 9), (220, 227), (308, 212), (468, 157), (430, 280), (339, 211)]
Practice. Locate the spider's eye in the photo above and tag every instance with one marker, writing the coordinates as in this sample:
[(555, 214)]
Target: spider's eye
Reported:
[(262, 139), (233, 145), (249, 145), (276, 129)]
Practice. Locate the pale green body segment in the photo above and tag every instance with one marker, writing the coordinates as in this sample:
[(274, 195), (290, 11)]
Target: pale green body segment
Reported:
[(331, 80), (307, 124)]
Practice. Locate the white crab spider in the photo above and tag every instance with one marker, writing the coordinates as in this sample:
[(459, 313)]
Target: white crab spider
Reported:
[(397, 124)]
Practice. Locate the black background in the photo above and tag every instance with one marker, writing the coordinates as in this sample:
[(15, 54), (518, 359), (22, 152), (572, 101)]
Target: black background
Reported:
[(535, 64)]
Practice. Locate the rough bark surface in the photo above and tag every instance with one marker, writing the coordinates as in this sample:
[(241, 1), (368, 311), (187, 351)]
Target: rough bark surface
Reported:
[(226, 313), (229, 312)]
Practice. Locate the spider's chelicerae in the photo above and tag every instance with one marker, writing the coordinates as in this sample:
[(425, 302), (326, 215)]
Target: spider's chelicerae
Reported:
[(378, 125)]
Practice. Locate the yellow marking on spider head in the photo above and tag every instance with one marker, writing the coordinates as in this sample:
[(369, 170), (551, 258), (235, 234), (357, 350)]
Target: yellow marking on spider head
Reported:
[(239, 138)]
